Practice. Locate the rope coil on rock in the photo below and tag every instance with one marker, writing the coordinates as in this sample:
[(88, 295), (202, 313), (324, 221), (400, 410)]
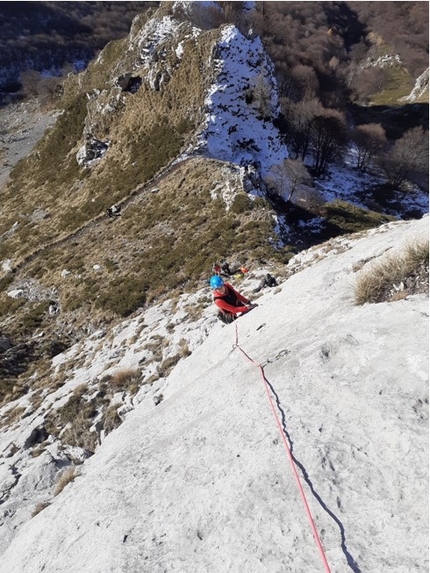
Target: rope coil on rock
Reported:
[(289, 454)]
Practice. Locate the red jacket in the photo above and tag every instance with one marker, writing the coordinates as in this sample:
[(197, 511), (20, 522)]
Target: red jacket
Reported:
[(231, 301)]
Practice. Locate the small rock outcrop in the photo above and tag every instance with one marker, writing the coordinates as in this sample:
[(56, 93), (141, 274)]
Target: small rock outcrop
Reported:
[(420, 88)]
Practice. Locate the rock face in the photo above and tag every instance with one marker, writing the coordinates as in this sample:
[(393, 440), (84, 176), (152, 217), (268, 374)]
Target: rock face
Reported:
[(91, 151), (196, 478), (420, 88)]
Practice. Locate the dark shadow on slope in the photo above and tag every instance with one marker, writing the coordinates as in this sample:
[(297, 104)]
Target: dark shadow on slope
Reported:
[(395, 120), (350, 560), (384, 199), (306, 228)]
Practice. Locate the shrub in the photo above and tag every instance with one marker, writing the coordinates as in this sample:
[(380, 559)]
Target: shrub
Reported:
[(111, 419), (66, 477), (122, 296), (124, 379), (396, 277), (350, 219)]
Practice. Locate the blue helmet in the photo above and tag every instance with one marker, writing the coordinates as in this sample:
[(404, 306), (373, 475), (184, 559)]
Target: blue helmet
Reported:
[(216, 282)]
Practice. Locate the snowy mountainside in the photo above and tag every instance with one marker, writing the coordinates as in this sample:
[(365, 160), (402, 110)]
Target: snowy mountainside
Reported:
[(199, 481), (237, 131)]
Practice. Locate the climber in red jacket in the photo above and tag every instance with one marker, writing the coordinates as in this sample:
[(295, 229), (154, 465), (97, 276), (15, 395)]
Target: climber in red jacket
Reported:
[(228, 300)]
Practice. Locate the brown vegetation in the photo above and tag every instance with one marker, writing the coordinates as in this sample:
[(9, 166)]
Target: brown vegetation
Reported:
[(395, 277), (65, 478), (370, 141), (407, 158)]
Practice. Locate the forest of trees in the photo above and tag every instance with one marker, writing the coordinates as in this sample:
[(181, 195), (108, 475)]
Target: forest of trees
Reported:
[(37, 36), (318, 48)]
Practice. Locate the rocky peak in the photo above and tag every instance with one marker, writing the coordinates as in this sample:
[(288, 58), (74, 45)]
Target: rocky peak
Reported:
[(237, 83)]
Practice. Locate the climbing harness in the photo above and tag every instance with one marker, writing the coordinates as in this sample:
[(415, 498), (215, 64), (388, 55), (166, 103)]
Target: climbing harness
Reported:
[(288, 451)]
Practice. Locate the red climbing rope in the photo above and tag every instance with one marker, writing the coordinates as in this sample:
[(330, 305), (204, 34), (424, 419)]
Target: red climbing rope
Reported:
[(289, 454)]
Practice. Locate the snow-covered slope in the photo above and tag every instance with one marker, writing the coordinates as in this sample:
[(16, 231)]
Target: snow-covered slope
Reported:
[(202, 482), (242, 104)]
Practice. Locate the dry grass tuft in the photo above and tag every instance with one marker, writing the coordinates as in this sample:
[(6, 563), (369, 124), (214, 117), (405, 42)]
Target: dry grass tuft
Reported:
[(66, 477), (111, 419), (167, 365), (39, 507), (184, 348), (396, 277), (11, 416), (124, 379), (72, 422)]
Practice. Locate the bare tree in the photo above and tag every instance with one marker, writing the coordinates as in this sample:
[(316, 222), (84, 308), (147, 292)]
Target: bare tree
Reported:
[(328, 138), (29, 81), (407, 157), (366, 82), (300, 83), (370, 140), (298, 175), (299, 117), (47, 91), (286, 178), (262, 96), (277, 181)]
